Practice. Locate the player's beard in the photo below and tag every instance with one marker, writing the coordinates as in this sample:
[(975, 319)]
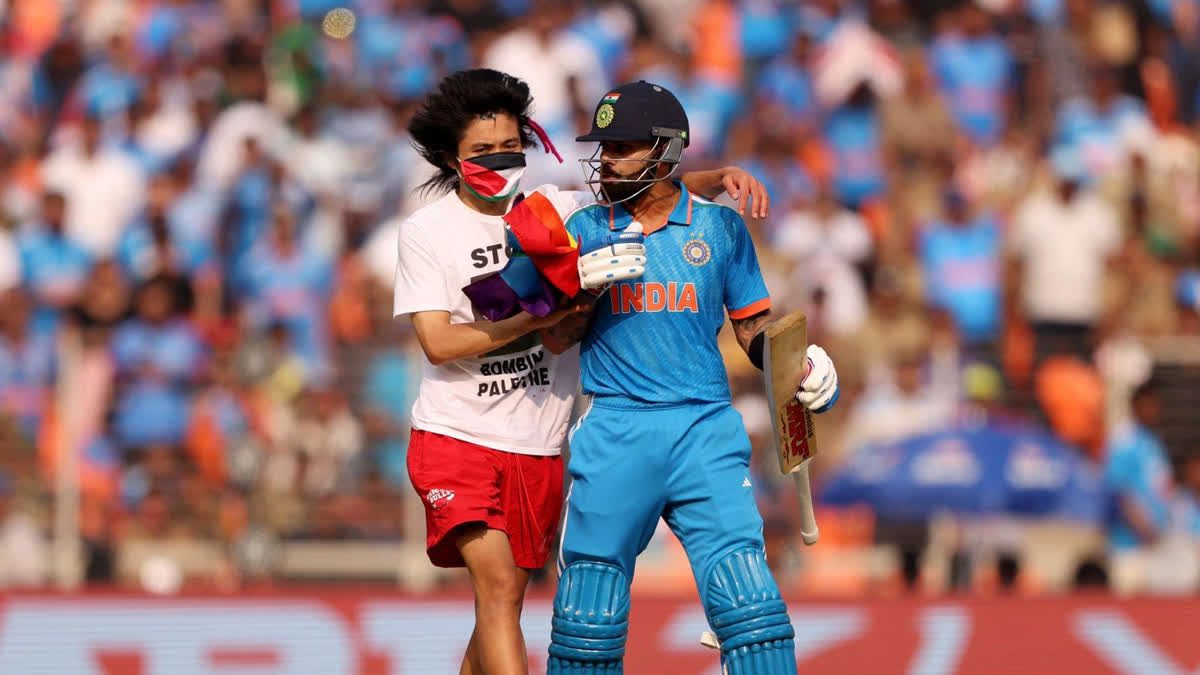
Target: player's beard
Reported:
[(619, 188), (619, 192)]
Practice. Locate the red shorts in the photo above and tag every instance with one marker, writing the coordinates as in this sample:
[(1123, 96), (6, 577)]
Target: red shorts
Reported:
[(461, 483)]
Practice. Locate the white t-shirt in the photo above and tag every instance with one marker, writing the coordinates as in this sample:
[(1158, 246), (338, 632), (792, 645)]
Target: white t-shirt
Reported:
[(104, 194), (1064, 248), (516, 399)]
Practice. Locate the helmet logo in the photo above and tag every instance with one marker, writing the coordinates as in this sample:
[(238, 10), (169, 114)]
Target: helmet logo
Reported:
[(604, 115)]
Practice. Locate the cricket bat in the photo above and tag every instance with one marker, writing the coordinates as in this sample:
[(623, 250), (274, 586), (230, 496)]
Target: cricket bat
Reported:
[(785, 363)]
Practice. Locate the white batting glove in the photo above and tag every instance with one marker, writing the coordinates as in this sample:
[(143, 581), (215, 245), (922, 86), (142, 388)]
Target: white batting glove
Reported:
[(618, 256), (819, 388)]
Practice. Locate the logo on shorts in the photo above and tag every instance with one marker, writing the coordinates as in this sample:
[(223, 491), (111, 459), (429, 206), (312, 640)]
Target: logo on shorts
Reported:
[(746, 482), (439, 498), (697, 252)]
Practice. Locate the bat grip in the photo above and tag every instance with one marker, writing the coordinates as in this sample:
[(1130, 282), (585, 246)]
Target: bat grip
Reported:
[(808, 518)]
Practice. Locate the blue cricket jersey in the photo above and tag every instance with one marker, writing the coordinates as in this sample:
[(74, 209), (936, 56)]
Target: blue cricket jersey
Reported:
[(654, 339), (1137, 468)]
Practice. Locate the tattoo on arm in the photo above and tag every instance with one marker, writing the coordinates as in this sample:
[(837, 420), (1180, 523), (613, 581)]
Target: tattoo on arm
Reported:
[(745, 329)]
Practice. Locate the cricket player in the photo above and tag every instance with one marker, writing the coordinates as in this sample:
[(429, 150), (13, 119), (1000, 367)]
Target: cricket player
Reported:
[(491, 416), (660, 438)]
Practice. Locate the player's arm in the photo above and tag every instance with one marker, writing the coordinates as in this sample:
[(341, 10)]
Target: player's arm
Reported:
[(749, 334), (443, 341), (737, 182)]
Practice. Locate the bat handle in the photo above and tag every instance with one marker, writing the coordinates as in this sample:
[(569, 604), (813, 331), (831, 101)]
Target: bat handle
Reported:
[(808, 518)]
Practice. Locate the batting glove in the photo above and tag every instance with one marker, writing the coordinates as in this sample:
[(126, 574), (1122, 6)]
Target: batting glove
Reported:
[(617, 256), (819, 388)]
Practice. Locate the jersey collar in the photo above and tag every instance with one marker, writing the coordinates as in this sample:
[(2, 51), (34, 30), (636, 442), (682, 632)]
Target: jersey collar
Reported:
[(619, 218)]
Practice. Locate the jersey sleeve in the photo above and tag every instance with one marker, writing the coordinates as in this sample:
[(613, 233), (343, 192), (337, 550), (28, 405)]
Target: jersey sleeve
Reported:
[(745, 290), (420, 285)]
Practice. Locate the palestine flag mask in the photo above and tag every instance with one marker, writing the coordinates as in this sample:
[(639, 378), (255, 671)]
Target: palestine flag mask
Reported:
[(494, 177)]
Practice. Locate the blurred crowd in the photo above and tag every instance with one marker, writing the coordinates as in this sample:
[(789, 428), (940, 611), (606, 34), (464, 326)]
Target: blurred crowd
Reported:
[(989, 209)]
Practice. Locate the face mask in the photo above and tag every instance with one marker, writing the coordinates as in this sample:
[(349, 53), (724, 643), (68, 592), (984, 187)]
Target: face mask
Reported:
[(494, 177)]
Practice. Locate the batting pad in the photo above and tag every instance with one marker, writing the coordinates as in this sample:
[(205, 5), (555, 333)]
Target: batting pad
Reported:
[(591, 620), (749, 617)]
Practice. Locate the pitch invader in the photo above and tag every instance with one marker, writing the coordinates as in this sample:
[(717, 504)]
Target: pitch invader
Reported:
[(660, 438)]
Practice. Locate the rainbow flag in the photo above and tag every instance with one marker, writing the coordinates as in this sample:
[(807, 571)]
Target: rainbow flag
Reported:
[(542, 266)]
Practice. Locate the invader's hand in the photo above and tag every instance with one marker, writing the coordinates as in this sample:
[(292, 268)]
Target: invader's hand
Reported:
[(745, 189)]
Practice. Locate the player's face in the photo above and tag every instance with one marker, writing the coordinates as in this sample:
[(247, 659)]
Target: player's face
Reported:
[(489, 135), (624, 161)]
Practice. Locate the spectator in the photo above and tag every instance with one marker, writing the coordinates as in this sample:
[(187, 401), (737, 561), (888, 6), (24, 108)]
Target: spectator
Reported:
[(158, 343), (828, 244), (1138, 478), (1103, 129), (290, 283), (24, 558), (962, 259), (193, 219), (112, 85), (220, 421), (254, 187), (331, 439), (27, 361), (104, 189), (974, 68), (158, 354), (917, 126), (1062, 242), (853, 133), (55, 266), (785, 82), (146, 248)]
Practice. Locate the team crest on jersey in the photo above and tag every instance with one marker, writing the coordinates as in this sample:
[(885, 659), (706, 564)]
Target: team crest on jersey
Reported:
[(604, 115), (697, 252)]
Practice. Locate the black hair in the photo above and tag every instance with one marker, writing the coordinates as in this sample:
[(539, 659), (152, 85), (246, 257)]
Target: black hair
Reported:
[(438, 126)]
